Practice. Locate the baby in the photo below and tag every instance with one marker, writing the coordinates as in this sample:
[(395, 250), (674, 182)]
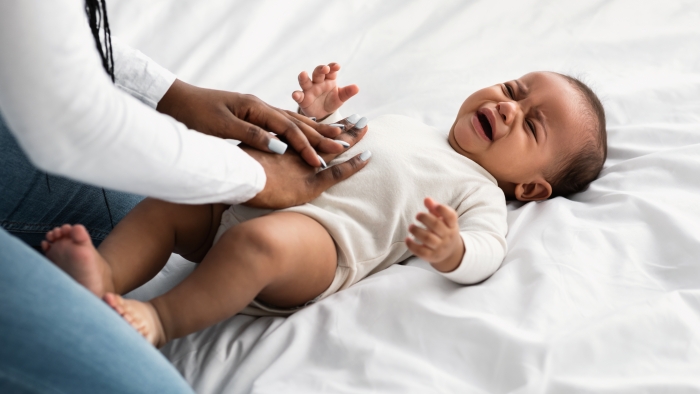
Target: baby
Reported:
[(529, 139)]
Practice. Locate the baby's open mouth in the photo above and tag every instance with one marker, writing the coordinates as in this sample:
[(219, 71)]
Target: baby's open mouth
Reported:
[(485, 124)]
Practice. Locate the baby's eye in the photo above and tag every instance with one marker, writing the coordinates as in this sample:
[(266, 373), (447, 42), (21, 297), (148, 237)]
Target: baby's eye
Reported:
[(532, 128), (509, 91)]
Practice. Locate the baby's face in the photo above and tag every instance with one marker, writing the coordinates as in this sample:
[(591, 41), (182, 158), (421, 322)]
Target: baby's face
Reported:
[(519, 129)]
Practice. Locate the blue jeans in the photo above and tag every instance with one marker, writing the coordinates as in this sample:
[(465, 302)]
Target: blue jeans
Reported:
[(33, 202), (55, 336)]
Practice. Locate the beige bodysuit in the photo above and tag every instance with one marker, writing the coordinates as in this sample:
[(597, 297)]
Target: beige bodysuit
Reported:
[(368, 214)]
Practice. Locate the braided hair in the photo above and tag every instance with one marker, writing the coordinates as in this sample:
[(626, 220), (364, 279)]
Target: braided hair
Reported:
[(96, 11)]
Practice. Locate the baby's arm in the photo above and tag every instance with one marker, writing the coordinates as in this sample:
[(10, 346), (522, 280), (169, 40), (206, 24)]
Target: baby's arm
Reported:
[(320, 95), (465, 256), (439, 243)]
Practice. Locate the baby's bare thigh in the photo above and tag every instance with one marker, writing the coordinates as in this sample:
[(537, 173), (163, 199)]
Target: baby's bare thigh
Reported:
[(294, 253)]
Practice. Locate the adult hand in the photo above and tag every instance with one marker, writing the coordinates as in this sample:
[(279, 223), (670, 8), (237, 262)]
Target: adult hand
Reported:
[(291, 182), (248, 119)]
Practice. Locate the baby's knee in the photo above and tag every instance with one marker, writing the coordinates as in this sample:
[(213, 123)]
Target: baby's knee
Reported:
[(255, 243)]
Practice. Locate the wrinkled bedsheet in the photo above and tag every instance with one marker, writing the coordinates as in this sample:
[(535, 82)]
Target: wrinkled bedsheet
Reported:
[(599, 293)]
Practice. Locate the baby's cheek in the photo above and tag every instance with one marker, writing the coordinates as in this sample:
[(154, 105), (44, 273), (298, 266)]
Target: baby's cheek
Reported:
[(461, 132)]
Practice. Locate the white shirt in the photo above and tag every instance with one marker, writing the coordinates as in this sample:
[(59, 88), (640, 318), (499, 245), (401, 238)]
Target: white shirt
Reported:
[(71, 120)]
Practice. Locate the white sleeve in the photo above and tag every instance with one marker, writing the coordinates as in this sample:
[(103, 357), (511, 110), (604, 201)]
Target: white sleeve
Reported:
[(483, 229), (71, 120), (138, 75), (333, 118), (484, 252)]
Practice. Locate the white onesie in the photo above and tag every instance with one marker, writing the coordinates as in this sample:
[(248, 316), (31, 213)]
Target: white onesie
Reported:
[(368, 214)]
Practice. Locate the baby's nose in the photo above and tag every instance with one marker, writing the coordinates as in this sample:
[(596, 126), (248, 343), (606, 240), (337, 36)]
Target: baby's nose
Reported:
[(507, 111)]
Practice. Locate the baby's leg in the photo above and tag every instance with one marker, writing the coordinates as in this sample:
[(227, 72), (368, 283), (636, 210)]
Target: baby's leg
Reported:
[(285, 259), (138, 248)]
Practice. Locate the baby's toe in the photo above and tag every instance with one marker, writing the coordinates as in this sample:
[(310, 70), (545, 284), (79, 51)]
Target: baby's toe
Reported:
[(65, 230)]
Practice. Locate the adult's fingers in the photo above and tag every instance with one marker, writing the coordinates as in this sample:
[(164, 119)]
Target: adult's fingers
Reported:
[(355, 127), (252, 131), (340, 172), (279, 122), (254, 136), (316, 135)]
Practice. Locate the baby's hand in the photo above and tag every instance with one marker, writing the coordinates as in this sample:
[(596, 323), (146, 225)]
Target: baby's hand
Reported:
[(439, 242), (320, 96)]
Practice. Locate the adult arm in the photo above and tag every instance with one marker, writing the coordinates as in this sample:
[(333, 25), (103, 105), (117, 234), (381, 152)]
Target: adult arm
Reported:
[(138, 75), (72, 121), (219, 113)]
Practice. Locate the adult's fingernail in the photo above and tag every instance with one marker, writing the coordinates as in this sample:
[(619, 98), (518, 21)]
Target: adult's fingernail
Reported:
[(341, 126), (323, 163), (360, 124), (345, 144), (365, 155), (277, 146), (353, 118)]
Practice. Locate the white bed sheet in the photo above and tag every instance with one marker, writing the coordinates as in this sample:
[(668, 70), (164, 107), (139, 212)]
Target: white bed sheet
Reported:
[(599, 293)]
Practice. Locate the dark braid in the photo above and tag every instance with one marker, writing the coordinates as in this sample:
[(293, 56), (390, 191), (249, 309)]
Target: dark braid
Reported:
[(96, 11)]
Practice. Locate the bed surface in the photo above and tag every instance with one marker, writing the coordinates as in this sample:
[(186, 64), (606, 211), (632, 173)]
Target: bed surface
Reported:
[(599, 293)]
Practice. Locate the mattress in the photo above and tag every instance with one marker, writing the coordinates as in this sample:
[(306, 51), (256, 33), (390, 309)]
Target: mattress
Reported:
[(599, 293)]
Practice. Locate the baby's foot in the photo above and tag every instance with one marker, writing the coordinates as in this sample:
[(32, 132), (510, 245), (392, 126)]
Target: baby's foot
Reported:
[(71, 249), (141, 315)]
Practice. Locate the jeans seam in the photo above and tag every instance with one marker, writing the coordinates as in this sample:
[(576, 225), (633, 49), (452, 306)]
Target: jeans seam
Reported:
[(30, 228)]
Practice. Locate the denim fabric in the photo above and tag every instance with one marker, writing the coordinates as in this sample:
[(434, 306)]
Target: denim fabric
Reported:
[(33, 202), (56, 337)]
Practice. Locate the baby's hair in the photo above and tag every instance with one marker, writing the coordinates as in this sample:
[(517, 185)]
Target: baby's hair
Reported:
[(577, 170)]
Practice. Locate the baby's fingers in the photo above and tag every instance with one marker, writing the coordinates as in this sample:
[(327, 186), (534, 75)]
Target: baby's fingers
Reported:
[(433, 223), (447, 214), (319, 74), (304, 81), (346, 92), (298, 96), (425, 237), (333, 70), (419, 250)]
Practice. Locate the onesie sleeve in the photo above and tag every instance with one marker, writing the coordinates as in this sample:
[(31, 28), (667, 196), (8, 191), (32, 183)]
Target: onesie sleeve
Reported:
[(138, 75), (483, 229), (332, 118)]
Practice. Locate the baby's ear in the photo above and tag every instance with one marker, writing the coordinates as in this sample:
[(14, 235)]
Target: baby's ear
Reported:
[(536, 191)]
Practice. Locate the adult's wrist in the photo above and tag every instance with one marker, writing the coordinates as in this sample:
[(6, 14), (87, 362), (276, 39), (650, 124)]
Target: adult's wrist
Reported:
[(172, 99)]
